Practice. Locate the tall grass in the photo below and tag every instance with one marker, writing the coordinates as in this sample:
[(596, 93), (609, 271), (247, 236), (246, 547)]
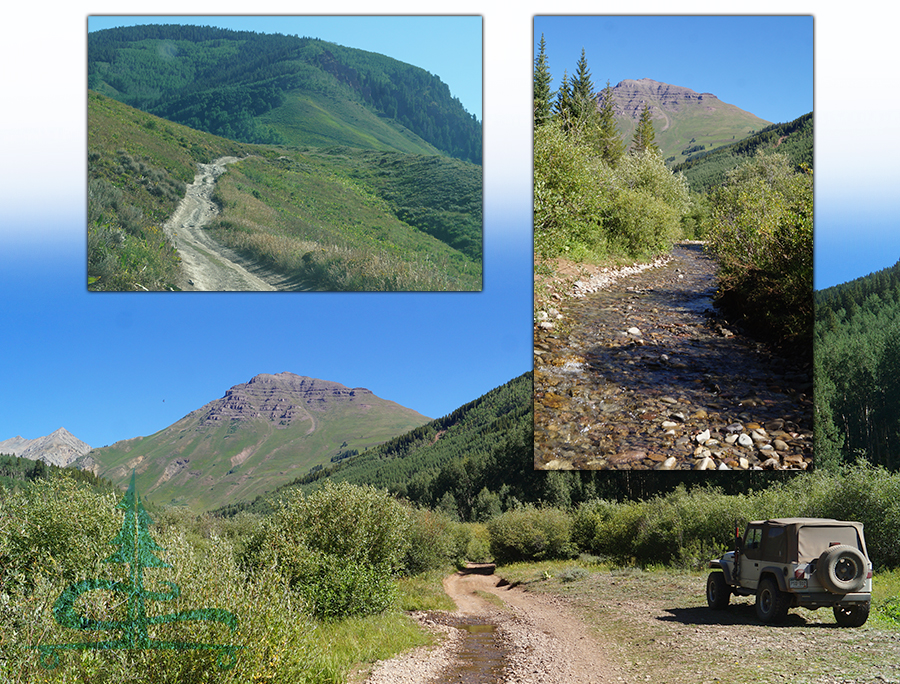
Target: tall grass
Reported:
[(324, 229)]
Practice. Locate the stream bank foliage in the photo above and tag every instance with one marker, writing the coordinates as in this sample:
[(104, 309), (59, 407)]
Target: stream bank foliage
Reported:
[(752, 201), (761, 231)]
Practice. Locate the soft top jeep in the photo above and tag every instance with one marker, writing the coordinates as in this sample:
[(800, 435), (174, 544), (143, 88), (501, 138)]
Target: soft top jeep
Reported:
[(790, 562)]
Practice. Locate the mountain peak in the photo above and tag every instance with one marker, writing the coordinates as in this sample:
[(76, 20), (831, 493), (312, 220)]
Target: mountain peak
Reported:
[(259, 435), (59, 448)]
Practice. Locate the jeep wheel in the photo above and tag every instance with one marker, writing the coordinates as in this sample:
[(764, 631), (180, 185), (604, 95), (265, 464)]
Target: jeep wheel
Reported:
[(717, 591), (852, 616), (842, 569), (771, 605)]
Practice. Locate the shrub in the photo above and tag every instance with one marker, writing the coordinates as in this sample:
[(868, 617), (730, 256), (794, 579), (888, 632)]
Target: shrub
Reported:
[(435, 540), (568, 194), (340, 547), (531, 533), (761, 230)]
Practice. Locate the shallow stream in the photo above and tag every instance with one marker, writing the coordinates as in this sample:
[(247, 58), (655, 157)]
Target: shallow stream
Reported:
[(649, 376)]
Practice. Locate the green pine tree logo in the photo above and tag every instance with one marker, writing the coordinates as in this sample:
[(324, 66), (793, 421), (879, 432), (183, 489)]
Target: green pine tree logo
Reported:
[(137, 550)]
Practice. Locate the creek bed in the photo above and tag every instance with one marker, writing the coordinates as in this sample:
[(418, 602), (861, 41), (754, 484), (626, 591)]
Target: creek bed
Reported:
[(649, 376)]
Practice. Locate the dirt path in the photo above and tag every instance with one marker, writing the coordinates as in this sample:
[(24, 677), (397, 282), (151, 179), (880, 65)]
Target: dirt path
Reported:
[(206, 264), (533, 639)]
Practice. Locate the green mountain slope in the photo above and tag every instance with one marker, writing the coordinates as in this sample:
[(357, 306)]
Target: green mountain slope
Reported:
[(258, 436), (857, 361), (486, 443), (343, 218), (707, 169), (683, 120), (267, 88)]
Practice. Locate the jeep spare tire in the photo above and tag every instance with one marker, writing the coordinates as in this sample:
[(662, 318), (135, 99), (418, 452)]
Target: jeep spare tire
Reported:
[(842, 569)]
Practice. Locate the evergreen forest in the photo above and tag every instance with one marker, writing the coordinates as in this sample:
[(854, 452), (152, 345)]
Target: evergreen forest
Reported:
[(857, 363)]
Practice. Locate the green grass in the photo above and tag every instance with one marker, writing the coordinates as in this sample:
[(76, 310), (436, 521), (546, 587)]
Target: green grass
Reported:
[(319, 217), (344, 218)]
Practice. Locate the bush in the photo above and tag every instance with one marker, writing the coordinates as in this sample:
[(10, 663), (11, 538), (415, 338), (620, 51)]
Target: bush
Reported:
[(435, 540), (761, 230), (530, 533), (340, 547), (568, 195)]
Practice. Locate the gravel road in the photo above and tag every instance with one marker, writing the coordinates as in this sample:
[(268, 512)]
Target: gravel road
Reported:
[(206, 264)]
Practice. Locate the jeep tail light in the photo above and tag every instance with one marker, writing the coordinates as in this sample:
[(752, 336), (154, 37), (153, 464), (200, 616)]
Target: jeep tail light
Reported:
[(800, 573)]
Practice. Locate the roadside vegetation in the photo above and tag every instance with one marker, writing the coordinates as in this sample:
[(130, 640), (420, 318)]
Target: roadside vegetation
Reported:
[(320, 585), (603, 201)]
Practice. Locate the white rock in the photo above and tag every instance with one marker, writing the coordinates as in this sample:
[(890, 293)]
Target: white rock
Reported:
[(703, 437), (745, 440)]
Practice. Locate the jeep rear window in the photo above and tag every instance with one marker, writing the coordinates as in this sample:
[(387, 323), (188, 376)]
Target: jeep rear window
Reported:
[(813, 540)]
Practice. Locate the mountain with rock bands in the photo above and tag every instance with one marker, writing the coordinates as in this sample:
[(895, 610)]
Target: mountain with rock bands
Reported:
[(684, 121), (259, 435)]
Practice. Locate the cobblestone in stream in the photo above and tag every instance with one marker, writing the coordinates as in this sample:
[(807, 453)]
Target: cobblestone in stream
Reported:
[(649, 377)]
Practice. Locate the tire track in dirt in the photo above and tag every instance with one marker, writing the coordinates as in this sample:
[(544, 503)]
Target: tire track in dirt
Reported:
[(541, 640)]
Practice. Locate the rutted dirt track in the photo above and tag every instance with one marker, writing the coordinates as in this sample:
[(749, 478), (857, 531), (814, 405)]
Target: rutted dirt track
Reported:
[(207, 264), (536, 640), (633, 626)]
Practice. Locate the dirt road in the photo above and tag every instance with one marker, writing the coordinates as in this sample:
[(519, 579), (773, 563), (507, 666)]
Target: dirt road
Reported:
[(628, 625), (530, 639), (206, 264)]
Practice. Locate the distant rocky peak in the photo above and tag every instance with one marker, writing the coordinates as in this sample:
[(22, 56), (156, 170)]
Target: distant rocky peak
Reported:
[(59, 448)]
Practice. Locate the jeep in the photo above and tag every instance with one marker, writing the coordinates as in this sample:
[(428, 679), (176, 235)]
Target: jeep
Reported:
[(791, 562)]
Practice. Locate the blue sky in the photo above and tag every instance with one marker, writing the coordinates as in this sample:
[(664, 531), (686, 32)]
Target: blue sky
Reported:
[(764, 65), (449, 46), (111, 367)]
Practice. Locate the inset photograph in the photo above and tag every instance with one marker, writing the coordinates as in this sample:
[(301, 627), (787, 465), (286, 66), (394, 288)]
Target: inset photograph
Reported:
[(284, 153), (673, 243)]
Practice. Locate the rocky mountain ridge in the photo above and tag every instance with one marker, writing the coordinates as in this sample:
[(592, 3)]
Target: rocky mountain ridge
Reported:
[(631, 94), (59, 448), (257, 436), (682, 118)]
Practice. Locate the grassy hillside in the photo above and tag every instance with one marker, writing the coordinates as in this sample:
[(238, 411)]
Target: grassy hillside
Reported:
[(343, 219), (203, 464), (707, 169), (683, 121), (138, 166), (269, 88)]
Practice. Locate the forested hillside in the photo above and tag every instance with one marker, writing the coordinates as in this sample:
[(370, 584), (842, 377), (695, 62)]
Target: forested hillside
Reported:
[(705, 170), (18, 472), (270, 88), (857, 364), (457, 454)]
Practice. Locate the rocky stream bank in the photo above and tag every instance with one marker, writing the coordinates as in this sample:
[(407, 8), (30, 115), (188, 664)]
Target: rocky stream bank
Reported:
[(636, 369)]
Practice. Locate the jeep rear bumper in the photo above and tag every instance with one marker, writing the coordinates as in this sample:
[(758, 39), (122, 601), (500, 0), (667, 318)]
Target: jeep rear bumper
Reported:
[(824, 599)]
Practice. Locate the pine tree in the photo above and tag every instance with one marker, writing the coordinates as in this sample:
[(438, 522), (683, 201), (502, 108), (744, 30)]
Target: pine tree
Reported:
[(644, 134), (583, 103), (608, 142), (562, 108), (542, 80)]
